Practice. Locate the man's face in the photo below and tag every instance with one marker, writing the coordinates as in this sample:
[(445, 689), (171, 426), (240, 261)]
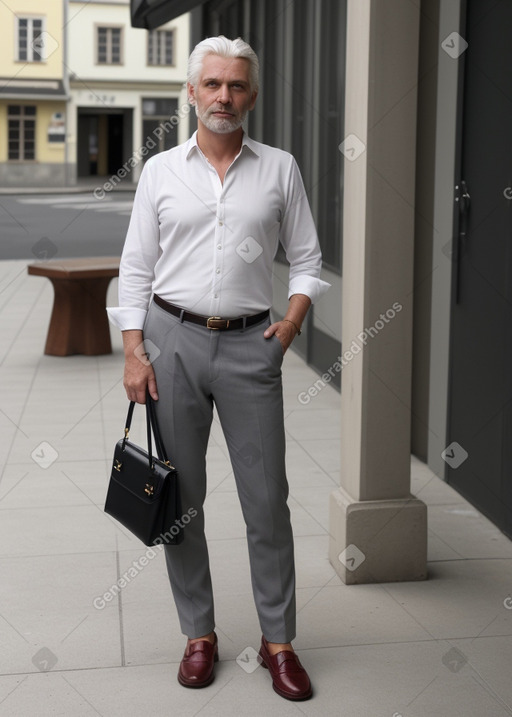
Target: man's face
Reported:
[(223, 95)]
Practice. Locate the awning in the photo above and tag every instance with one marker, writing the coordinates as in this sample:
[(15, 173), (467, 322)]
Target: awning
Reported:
[(153, 13), (14, 88)]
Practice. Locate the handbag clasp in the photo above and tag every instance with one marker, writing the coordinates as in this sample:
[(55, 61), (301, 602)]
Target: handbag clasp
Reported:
[(149, 489), (117, 465)]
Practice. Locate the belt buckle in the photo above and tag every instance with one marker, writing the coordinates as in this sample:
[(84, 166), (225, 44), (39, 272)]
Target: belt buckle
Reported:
[(224, 323)]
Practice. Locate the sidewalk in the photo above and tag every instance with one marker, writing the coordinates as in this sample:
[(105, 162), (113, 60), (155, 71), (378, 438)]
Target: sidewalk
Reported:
[(438, 647)]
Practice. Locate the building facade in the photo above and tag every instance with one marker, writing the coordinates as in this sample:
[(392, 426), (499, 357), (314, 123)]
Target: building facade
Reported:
[(33, 93), (85, 95), (127, 92)]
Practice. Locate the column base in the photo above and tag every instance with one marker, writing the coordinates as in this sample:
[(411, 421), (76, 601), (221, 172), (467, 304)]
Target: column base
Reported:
[(377, 541)]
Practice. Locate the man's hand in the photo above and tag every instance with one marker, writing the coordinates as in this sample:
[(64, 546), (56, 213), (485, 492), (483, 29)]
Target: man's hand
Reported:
[(289, 327), (285, 332), (138, 374)]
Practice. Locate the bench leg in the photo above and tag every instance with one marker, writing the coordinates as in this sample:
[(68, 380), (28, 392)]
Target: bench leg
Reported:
[(79, 322)]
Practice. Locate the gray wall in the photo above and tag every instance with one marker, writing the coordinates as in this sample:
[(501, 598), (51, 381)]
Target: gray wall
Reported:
[(423, 230)]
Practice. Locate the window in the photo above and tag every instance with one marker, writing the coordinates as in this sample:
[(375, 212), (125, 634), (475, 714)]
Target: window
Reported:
[(22, 132), (331, 81), (109, 47), (159, 113), (30, 47), (161, 47)]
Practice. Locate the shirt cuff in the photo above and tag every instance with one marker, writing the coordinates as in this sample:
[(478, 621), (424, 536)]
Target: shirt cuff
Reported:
[(308, 285), (127, 318)]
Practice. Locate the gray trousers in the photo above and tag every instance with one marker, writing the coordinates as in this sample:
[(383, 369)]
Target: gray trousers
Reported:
[(239, 371)]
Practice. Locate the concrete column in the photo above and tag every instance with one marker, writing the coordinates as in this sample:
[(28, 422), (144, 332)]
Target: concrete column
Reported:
[(378, 529)]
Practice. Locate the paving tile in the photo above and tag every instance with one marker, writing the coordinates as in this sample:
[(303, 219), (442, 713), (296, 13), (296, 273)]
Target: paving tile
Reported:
[(469, 533), (461, 598), (304, 471), (30, 486), (311, 423), (438, 549), (60, 530), (315, 502), (325, 452), (433, 490), (54, 613)]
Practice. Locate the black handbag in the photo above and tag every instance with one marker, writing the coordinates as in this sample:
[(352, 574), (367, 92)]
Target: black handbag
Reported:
[(143, 493)]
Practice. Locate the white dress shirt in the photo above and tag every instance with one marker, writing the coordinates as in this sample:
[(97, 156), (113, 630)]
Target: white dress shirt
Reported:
[(209, 247)]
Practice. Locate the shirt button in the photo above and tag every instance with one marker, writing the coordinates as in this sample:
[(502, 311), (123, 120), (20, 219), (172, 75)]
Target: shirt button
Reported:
[(221, 224), (215, 296), (219, 246), (218, 271)]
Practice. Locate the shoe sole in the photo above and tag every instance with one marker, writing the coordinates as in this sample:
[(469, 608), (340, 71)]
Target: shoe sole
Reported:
[(195, 685)]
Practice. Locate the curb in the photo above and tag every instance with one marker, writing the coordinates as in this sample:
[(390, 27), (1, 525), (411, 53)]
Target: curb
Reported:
[(76, 189)]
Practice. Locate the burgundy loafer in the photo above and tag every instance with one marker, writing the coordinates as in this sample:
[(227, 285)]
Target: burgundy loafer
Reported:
[(196, 668), (289, 678)]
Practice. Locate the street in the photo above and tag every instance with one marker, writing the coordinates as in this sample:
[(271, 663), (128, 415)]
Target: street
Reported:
[(47, 226)]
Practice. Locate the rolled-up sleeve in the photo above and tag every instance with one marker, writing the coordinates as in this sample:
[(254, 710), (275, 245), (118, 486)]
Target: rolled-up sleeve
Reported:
[(140, 254), (300, 241)]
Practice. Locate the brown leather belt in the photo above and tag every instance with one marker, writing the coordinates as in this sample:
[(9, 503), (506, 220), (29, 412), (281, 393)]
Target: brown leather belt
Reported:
[(216, 323)]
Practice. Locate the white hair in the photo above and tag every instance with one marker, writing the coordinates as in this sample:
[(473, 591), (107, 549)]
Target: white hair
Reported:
[(223, 47)]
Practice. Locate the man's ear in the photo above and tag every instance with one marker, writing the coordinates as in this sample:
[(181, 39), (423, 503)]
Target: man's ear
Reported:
[(253, 99), (191, 94)]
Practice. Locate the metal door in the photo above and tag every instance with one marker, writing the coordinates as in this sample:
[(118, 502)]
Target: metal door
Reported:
[(479, 454)]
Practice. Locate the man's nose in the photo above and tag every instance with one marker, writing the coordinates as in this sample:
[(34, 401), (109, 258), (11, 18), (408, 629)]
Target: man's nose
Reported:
[(224, 95)]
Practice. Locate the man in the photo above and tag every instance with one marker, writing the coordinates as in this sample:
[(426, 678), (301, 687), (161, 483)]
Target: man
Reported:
[(206, 222)]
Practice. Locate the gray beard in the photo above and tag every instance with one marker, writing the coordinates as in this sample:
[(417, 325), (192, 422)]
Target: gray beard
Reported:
[(220, 125)]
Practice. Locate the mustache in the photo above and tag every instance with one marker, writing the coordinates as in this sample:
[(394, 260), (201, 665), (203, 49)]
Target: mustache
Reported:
[(222, 109)]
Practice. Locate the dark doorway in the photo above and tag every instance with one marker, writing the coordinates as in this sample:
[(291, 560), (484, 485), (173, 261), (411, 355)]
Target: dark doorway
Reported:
[(481, 338), (103, 141), (115, 143)]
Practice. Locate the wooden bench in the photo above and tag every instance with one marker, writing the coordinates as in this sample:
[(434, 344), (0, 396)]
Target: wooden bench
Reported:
[(79, 321)]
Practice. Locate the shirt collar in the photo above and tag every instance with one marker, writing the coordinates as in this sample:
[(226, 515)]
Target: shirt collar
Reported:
[(246, 142)]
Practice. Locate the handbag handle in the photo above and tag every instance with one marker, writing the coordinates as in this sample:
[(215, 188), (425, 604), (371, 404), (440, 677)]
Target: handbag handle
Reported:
[(160, 448), (151, 426)]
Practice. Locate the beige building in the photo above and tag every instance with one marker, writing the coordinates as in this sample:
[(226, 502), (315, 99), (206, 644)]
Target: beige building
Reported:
[(83, 94), (33, 92)]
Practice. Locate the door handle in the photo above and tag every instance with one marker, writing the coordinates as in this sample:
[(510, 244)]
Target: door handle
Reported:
[(464, 199)]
